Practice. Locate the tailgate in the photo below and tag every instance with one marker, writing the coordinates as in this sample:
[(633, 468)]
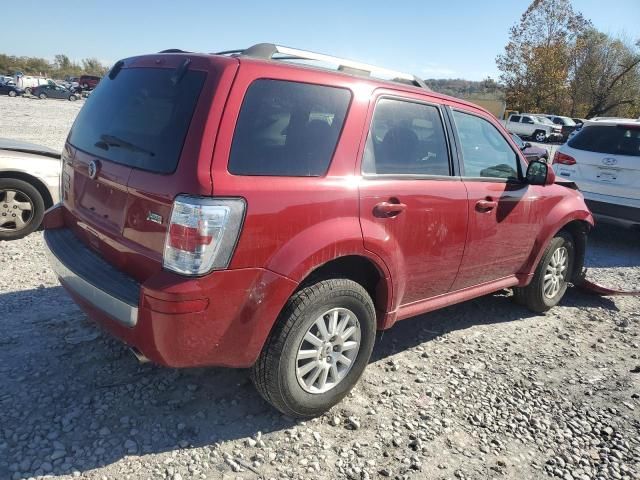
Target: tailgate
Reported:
[(144, 136)]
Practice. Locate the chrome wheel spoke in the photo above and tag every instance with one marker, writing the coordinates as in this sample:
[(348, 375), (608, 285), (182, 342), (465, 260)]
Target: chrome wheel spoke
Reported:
[(344, 360), (333, 322), (306, 354), (312, 339), (348, 333), (307, 367), (9, 196), (322, 328), (24, 206), (314, 375), (322, 381), (346, 346)]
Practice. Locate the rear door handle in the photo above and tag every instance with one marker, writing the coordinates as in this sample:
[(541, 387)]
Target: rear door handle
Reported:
[(486, 205), (388, 209)]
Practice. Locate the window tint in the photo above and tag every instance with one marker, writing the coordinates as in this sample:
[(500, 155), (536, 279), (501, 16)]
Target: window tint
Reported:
[(611, 139), (557, 120), (139, 119), (287, 129), (515, 118), (527, 120), (406, 138), (485, 152)]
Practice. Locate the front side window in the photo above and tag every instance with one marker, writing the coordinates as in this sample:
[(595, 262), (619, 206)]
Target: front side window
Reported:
[(406, 138), (485, 152), (515, 118), (287, 129), (527, 120)]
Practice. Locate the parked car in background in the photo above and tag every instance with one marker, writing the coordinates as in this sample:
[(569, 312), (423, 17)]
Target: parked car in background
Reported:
[(29, 82), (603, 159), (533, 126), (29, 184), (52, 90), (285, 262), (567, 124), (4, 79), (531, 152), (579, 121), (10, 89), (88, 82)]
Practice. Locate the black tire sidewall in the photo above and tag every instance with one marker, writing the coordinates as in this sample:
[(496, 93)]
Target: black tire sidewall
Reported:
[(37, 202), (535, 135), (308, 404)]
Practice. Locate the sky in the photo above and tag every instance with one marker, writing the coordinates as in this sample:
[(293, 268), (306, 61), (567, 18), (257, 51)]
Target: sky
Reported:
[(431, 39)]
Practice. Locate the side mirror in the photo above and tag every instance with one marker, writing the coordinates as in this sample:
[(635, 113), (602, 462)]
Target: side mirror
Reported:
[(527, 145), (540, 173)]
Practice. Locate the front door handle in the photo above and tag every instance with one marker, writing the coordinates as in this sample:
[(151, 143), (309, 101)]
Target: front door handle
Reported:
[(486, 205), (388, 209)]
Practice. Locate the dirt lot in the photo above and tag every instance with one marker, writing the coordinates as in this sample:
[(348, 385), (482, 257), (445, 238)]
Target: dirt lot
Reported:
[(480, 390)]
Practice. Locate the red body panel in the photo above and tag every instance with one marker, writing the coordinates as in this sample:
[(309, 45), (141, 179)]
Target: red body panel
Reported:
[(439, 251)]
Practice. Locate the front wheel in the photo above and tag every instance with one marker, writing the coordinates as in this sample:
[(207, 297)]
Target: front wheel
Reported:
[(318, 350), (42, 96), (72, 98), (12, 93), (540, 136), (551, 277)]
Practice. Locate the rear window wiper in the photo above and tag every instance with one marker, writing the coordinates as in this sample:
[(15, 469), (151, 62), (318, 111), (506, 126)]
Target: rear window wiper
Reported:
[(107, 141)]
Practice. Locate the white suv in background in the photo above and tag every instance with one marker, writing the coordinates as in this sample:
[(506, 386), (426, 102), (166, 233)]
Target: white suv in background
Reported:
[(603, 159)]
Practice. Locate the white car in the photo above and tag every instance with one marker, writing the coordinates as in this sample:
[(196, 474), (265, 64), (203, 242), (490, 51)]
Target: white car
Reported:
[(532, 125), (603, 159), (29, 184)]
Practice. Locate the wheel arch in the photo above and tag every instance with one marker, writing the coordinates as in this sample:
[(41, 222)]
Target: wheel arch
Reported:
[(33, 181)]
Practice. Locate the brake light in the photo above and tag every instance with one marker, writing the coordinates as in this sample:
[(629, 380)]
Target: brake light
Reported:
[(563, 159), (202, 234)]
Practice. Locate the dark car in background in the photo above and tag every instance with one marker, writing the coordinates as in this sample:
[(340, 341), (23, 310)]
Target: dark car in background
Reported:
[(531, 152), (53, 90), (11, 89), (88, 82)]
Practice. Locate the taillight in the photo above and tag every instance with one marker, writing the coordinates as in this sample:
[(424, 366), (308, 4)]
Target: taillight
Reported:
[(202, 234), (563, 159)]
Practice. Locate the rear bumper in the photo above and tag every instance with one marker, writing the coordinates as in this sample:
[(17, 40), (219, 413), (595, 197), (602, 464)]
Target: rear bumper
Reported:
[(222, 319), (622, 215)]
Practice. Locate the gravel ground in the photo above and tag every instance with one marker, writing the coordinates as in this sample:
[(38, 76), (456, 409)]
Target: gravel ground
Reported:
[(480, 390)]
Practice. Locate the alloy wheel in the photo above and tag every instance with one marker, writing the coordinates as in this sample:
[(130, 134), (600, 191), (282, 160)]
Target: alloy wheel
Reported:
[(555, 273), (328, 350), (16, 210)]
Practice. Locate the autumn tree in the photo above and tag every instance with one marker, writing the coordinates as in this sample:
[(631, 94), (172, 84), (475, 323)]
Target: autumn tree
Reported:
[(534, 65)]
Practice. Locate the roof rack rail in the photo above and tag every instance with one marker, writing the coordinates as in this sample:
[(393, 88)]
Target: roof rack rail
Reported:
[(270, 51)]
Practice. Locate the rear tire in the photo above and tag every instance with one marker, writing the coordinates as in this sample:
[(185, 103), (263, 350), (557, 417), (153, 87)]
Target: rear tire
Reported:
[(280, 376), (72, 98), (551, 277), (12, 93), (27, 91), (18, 193), (42, 96)]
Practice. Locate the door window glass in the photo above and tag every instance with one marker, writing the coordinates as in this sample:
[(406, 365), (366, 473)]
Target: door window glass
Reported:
[(485, 152), (406, 138)]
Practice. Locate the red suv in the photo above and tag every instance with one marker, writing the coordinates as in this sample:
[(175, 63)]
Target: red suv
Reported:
[(244, 210)]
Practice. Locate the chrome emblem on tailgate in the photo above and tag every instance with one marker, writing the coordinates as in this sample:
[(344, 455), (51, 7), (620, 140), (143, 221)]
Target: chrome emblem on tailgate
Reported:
[(609, 161), (92, 169), (154, 217)]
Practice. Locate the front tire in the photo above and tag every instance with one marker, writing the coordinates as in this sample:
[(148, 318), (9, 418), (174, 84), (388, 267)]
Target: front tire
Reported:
[(551, 277), (12, 93), (42, 96), (319, 347), (21, 209), (72, 98), (540, 136)]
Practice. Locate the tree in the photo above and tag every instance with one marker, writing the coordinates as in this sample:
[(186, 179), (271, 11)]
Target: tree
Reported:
[(605, 76), (93, 66), (534, 65)]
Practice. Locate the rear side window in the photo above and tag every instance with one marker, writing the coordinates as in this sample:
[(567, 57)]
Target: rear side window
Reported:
[(406, 138), (287, 129), (140, 118), (527, 120), (515, 118), (610, 139)]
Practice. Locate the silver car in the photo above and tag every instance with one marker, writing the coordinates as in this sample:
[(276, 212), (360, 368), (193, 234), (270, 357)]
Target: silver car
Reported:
[(29, 184)]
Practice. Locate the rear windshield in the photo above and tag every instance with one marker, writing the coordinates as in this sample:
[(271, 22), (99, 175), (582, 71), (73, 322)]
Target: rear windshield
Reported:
[(611, 139), (140, 118), (288, 129)]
